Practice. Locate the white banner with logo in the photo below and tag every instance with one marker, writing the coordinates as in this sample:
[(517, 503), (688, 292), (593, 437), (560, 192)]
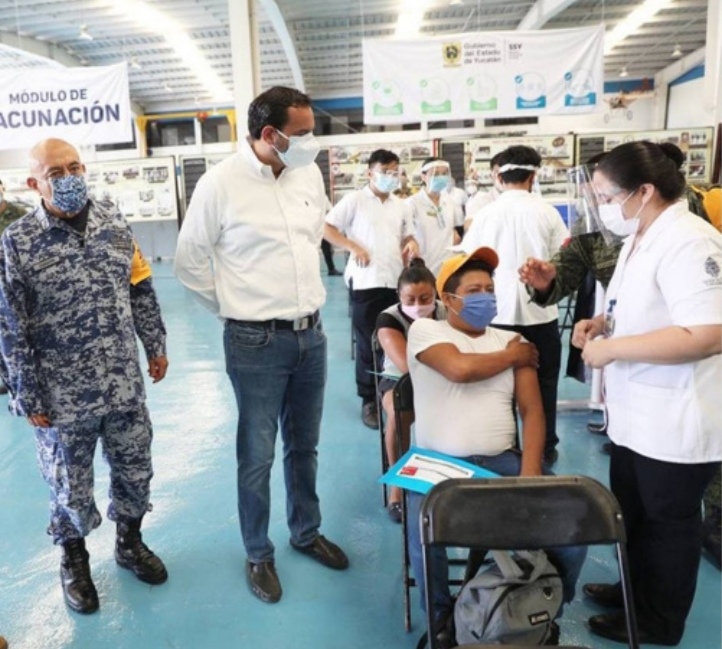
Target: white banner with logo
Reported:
[(483, 74), (80, 105)]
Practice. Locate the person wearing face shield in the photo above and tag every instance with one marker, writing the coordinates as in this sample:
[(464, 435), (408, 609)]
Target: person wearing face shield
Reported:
[(435, 214), (9, 213), (481, 199), (659, 340), (376, 228), (248, 250), (520, 224), (75, 291), (466, 375)]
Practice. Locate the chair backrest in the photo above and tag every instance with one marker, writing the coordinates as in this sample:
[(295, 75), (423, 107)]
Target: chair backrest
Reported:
[(403, 397), (523, 513), (534, 513)]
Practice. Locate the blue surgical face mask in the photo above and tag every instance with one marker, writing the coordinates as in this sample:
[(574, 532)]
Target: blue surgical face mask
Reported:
[(438, 184), (386, 183), (70, 193), (479, 309)]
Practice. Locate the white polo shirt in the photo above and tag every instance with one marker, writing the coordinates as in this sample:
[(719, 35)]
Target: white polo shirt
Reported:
[(248, 246), (377, 226), (460, 419), (674, 277), (434, 226), (518, 225)]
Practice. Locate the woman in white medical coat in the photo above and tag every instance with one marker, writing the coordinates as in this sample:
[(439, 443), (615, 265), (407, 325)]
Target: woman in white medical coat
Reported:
[(659, 340)]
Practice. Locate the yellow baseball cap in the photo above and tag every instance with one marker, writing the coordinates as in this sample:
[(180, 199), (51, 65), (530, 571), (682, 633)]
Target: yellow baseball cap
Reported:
[(451, 265)]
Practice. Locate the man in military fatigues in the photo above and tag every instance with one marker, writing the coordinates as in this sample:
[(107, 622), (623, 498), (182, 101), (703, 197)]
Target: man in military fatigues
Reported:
[(74, 291)]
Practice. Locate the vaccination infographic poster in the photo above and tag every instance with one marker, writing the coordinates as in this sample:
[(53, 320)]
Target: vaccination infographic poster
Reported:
[(484, 74)]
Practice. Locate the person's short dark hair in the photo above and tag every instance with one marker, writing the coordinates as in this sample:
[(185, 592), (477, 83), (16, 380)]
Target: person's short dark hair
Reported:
[(494, 162), (592, 162), (417, 272), (452, 284), (270, 108), (383, 157), (633, 164), (518, 155)]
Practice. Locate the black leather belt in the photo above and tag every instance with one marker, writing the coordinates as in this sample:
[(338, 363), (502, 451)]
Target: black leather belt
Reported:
[(299, 324)]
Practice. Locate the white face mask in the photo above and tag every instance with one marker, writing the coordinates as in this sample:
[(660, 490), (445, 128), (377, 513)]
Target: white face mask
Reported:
[(386, 184), (613, 218), (301, 152)]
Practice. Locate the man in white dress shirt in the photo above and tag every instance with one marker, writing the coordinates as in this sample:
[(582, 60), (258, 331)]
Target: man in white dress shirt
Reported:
[(519, 225), (375, 226), (248, 249)]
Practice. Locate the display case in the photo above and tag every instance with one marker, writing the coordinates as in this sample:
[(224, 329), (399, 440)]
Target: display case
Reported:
[(557, 152), (695, 143), (349, 165), (144, 190)]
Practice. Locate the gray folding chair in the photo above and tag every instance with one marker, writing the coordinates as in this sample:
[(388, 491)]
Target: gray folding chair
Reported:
[(523, 513)]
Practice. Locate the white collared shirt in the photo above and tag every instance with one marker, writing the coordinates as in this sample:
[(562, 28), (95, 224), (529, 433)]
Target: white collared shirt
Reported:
[(434, 227), (377, 226), (674, 278), (248, 247), (518, 225)]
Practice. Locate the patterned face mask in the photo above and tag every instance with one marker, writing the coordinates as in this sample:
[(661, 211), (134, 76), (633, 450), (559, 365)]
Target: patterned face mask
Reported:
[(70, 193)]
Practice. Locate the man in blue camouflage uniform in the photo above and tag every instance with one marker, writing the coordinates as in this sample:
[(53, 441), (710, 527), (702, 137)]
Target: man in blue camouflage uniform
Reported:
[(74, 291)]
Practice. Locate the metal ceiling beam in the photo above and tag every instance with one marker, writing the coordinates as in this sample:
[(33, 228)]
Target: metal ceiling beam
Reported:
[(276, 17), (38, 48)]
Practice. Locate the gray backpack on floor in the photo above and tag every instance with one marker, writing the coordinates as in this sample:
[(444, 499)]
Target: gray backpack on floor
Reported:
[(512, 601)]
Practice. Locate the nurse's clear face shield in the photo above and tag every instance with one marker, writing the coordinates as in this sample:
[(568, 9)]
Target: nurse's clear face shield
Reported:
[(437, 176), (583, 205)]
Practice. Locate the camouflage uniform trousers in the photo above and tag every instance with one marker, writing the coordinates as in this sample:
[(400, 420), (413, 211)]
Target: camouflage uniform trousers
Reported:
[(65, 455)]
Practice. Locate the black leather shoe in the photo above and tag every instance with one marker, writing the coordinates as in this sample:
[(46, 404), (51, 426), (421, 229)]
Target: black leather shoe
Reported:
[(369, 414), (325, 552), (614, 627), (607, 595), (263, 581), (607, 448), (554, 634), (133, 554), (334, 273), (78, 588)]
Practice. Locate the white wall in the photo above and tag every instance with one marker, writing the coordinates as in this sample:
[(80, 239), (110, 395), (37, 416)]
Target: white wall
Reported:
[(686, 107)]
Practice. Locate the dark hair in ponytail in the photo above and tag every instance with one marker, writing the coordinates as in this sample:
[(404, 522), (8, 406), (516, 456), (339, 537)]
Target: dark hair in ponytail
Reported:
[(416, 273), (636, 163)]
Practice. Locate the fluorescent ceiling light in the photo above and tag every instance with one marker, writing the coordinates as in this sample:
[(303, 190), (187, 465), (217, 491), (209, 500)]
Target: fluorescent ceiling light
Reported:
[(641, 15), (623, 72), (133, 63), (411, 14), (676, 52), (85, 34), (158, 22)]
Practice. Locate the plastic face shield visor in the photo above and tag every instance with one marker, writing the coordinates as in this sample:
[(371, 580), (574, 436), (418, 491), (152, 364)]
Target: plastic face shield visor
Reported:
[(583, 205)]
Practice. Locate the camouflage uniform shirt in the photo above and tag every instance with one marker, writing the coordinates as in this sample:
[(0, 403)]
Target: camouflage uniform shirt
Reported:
[(69, 315), (10, 214)]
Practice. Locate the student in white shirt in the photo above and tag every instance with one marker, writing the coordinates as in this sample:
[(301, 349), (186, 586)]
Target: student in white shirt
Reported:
[(480, 200), (248, 249), (659, 340), (466, 376), (519, 225), (435, 214), (376, 228)]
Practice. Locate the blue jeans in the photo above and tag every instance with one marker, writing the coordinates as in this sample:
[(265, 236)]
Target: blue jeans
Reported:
[(277, 375), (568, 560)]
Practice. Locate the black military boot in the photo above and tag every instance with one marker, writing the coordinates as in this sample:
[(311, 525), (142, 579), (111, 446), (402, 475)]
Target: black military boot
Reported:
[(133, 554), (78, 588)]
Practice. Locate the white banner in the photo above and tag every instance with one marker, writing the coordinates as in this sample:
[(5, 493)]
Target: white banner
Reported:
[(80, 105), (483, 74)]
